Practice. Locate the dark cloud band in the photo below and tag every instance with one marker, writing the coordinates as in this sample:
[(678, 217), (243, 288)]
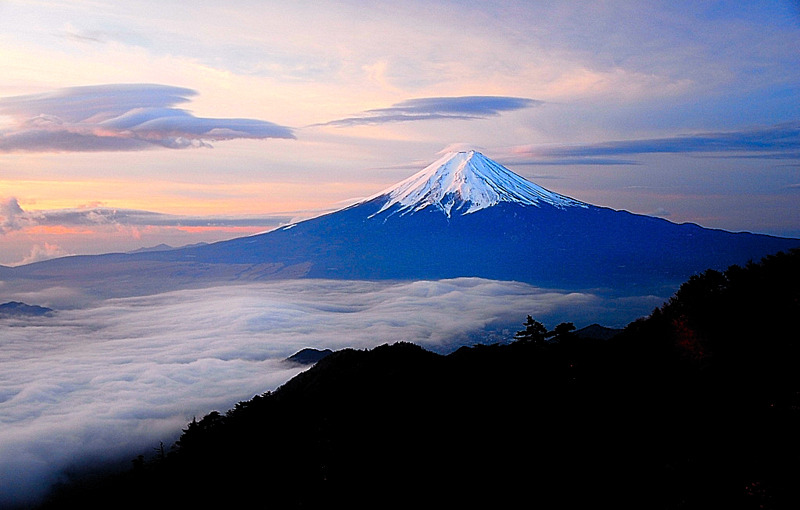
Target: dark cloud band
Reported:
[(781, 141), (433, 108)]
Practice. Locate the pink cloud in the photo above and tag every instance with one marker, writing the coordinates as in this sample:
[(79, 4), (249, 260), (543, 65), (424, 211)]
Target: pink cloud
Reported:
[(118, 117)]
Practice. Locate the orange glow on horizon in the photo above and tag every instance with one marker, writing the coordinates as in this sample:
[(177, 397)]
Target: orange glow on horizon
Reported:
[(179, 198), (57, 230)]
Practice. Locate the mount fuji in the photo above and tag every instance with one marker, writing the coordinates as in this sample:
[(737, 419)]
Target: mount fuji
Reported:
[(462, 216)]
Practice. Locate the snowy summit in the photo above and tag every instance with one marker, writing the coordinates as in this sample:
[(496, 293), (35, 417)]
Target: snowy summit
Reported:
[(466, 182)]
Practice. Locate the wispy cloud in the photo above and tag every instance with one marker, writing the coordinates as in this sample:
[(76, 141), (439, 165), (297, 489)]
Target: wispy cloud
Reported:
[(63, 232), (118, 117), (44, 251), (13, 217), (433, 108), (780, 141)]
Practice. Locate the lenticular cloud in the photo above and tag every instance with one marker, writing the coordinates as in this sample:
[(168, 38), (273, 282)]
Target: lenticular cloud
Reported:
[(433, 108), (118, 117)]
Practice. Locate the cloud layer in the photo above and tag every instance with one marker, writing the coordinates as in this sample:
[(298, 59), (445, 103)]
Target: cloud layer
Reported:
[(61, 232), (115, 378), (434, 108), (118, 117), (13, 217), (780, 141)]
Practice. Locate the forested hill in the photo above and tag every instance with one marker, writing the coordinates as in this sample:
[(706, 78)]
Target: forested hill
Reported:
[(694, 407)]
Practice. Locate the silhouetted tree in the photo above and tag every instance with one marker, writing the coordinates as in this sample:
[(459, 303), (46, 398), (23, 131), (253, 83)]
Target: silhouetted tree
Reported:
[(534, 332), (562, 331), (138, 463), (161, 452)]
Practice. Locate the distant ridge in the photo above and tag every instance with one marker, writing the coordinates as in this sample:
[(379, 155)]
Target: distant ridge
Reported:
[(158, 247), (597, 332), (18, 309), (163, 247), (308, 356)]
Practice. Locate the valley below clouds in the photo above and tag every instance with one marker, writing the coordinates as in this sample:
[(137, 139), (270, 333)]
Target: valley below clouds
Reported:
[(114, 378)]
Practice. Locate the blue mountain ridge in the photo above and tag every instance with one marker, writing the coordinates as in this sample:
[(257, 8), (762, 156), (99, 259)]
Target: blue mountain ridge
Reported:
[(554, 242), (544, 246)]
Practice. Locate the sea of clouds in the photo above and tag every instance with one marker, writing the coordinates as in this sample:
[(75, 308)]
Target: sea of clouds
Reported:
[(114, 378)]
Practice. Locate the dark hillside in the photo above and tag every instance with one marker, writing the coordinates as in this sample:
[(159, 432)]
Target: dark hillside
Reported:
[(694, 407), (17, 309)]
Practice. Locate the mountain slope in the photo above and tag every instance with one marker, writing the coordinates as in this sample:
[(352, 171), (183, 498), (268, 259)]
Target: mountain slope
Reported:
[(464, 215)]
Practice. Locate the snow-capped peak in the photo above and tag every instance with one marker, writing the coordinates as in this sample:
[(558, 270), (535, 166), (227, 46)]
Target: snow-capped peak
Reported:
[(466, 182)]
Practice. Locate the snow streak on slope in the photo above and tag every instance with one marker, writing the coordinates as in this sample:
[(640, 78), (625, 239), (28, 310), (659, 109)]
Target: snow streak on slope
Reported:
[(467, 182)]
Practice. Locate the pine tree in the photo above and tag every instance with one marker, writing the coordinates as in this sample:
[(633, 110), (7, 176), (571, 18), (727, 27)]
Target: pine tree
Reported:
[(562, 331), (534, 332)]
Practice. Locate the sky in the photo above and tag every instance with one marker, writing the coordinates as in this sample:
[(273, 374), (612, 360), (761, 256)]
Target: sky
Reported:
[(129, 124)]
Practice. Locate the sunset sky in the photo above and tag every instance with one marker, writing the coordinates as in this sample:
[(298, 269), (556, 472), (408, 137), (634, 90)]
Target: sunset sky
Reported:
[(129, 124)]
